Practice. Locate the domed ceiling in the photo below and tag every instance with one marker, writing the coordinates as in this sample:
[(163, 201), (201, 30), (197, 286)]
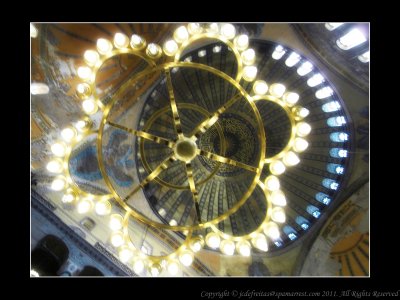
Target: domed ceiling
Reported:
[(190, 150)]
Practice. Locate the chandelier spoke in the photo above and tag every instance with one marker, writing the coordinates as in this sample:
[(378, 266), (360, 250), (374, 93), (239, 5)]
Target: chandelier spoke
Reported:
[(161, 167), (226, 160), (192, 185), (174, 108), (145, 135), (206, 124)]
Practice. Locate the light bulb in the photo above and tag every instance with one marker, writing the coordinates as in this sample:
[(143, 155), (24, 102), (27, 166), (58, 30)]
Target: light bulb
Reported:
[(272, 183), (138, 266), (278, 215), (186, 258), (303, 129), (278, 198), (34, 31), (153, 50), (89, 106), (181, 34), (58, 184), (277, 167), (68, 198), (125, 254), (241, 42), (194, 28), (83, 125), (213, 240), (84, 73), (248, 57), (84, 206), (260, 87), (162, 212), (59, 149), (104, 46), (137, 42), (272, 230), (68, 134), (83, 90), (213, 28), (260, 242), (54, 166), (291, 98), (39, 88), (217, 49), (170, 47), (300, 145), (196, 244), (202, 53), (228, 31), (155, 269), (227, 247), (243, 248), (103, 208), (291, 159), (301, 112), (121, 40), (173, 222), (172, 267), (277, 90), (117, 239), (249, 73), (115, 222), (91, 57)]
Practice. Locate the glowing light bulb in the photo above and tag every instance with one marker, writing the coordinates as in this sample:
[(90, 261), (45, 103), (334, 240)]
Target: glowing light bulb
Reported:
[(58, 184), (172, 267), (155, 269), (228, 31), (213, 28), (278, 198), (194, 28), (272, 183), (300, 145), (272, 230), (173, 222), (196, 244), (39, 88), (137, 42), (249, 73), (303, 129), (68, 198), (54, 166), (170, 47), (138, 266), (83, 90), (301, 112), (59, 149), (103, 208), (84, 73), (89, 106), (125, 254), (291, 98), (117, 239), (277, 90), (248, 56), (213, 240), (278, 215), (83, 125), (121, 40), (91, 57), (34, 31), (153, 50), (84, 206), (186, 258), (115, 222), (291, 159), (217, 49), (260, 242), (181, 34), (104, 46), (243, 248), (68, 134), (241, 42), (260, 87), (227, 247), (277, 167)]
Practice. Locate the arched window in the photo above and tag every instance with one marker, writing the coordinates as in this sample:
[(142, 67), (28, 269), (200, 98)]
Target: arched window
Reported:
[(305, 68), (314, 211), (339, 137), (278, 53), (330, 184), (331, 106), (338, 152), (323, 198), (290, 232), (324, 92), (335, 169), (293, 59), (315, 80), (302, 222), (336, 121)]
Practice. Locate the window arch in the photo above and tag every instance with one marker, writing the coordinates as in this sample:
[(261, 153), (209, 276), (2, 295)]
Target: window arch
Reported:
[(314, 211), (290, 232), (335, 169), (303, 222), (330, 184), (331, 106), (338, 152), (336, 121), (339, 137), (323, 198)]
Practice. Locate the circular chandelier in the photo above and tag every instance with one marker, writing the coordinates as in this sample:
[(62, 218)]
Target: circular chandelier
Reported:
[(184, 149)]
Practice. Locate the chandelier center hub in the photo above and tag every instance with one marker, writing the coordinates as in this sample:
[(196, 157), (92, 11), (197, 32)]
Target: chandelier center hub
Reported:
[(185, 149)]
